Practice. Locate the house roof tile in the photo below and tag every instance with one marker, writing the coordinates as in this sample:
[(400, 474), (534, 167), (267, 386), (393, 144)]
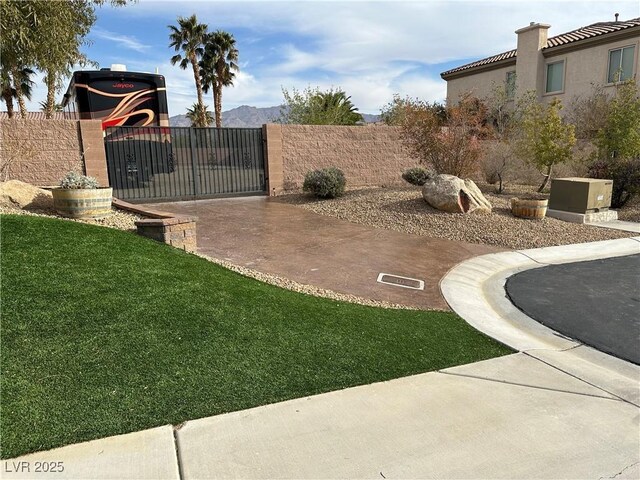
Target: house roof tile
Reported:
[(590, 31)]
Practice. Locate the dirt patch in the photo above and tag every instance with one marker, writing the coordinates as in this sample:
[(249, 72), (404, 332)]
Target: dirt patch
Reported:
[(404, 210)]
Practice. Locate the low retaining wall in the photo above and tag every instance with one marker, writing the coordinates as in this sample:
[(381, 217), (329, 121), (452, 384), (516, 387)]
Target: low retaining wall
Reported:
[(179, 231)]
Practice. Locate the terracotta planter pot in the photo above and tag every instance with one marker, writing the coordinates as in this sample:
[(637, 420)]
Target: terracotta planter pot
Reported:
[(534, 209), (83, 203)]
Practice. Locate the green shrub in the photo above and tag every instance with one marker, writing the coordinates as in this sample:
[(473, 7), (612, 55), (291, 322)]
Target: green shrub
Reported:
[(325, 183), (625, 175), (416, 176)]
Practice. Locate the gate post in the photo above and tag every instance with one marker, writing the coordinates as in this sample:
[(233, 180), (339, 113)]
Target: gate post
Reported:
[(273, 158), (92, 150), (193, 156)]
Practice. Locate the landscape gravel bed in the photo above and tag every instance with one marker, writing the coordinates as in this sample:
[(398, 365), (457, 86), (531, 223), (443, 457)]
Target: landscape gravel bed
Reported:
[(631, 211), (404, 210), (118, 219)]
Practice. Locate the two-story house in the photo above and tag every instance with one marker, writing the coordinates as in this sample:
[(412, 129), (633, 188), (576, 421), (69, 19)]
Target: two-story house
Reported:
[(563, 66)]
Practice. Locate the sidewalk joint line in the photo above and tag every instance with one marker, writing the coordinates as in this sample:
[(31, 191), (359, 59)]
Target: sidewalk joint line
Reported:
[(528, 386), (178, 457), (582, 380)]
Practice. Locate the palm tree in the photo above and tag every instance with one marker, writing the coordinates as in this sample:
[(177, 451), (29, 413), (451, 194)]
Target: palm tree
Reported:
[(219, 62), (16, 85), (199, 115), (338, 106), (189, 38), (50, 109)]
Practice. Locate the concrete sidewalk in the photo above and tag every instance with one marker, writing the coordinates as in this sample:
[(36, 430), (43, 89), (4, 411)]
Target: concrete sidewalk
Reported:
[(510, 417)]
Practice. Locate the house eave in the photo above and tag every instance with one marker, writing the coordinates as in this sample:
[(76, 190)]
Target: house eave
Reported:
[(479, 69)]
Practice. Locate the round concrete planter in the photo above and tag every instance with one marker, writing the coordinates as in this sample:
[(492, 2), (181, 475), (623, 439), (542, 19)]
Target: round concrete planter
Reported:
[(529, 208), (83, 203)]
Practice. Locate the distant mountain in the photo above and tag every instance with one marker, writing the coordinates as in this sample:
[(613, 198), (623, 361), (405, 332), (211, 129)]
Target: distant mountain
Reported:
[(248, 117)]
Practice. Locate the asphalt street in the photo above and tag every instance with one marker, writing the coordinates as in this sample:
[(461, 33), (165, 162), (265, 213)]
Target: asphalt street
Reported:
[(595, 302)]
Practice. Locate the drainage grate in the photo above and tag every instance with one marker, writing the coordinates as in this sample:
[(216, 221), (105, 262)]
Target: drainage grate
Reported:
[(398, 281)]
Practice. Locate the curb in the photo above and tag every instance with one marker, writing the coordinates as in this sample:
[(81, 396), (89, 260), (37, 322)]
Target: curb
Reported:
[(474, 289)]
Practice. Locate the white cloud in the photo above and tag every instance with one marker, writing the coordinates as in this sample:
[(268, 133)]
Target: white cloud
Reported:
[(125, 41), (372, 49)]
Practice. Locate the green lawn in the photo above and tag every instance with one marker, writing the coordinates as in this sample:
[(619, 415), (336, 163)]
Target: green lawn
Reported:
[(104, 332)]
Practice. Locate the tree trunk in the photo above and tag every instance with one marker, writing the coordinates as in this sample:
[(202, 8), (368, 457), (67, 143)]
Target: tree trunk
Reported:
[(17, 84), (500, 183), (200, 115), (51, 95), (8, 99), (198, 80), (217, 100), (546, 180)]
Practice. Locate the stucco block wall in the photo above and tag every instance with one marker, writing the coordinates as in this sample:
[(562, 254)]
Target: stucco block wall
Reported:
[(368, 155), (39, 152)]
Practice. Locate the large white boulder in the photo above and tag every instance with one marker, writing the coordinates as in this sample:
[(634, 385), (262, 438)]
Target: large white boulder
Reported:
[(17, 194), (452, 194)]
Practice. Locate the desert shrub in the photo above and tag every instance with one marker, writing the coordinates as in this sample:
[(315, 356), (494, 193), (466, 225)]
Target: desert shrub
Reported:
[(395, 112), (73, 180), (619, 134), (499, 164), (325, 183), (625, 175), (416, 176), (454, 148), (618, 144)]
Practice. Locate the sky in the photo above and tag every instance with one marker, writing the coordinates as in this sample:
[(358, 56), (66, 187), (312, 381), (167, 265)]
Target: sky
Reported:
[(371, 49)]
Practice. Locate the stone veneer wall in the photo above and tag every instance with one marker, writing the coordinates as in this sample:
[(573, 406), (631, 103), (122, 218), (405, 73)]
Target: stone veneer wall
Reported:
[(41, 152), (179, 231), (368, 155)]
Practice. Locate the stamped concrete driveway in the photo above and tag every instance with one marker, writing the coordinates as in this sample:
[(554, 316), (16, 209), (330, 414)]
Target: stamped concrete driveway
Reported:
[(326, 252)]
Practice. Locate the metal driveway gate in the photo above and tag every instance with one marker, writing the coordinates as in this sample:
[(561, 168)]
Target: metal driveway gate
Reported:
[(179, 163)]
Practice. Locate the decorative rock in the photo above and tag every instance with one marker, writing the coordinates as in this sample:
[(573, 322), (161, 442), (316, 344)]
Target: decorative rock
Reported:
[(17, 194), (454, 195)]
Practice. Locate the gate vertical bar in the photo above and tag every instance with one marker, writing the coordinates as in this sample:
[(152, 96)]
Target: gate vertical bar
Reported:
[(194, 167)]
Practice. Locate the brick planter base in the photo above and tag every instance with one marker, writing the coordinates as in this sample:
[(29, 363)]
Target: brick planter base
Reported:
[(176, 230), (179, 232)]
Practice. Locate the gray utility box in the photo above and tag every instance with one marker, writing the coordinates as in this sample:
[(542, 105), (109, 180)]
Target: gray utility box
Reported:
[(580, 195)]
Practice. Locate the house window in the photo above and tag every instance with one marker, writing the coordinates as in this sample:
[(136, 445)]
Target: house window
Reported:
[(510, 85), (621, 64), (555, 77)]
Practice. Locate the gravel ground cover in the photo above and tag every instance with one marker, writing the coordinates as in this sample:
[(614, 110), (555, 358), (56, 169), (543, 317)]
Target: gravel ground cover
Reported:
[(631, 211), (118, 219), (404, 210)]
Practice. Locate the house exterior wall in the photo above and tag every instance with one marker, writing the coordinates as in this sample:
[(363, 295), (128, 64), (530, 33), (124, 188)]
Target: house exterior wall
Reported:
[(479, 85), (588, 66), (586, 63)]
